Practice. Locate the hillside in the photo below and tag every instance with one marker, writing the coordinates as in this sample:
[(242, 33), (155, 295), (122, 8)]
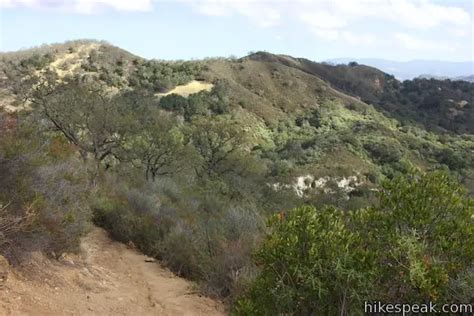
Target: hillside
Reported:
[(279, 98), (408, 70), (212, 166), (447, 104), (469, 78)]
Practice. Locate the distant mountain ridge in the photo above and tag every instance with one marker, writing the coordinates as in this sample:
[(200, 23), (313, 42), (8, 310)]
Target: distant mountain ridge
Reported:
[(404, 70), (469, 78)]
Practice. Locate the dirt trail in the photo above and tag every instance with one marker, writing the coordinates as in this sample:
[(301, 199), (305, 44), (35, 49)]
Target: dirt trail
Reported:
[(108, 278)]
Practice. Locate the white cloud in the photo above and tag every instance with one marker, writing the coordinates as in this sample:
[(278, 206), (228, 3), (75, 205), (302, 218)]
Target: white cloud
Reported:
[(410, 42), (408, 13), (414, 43), (323, 19), (326, 34), (81, 6), (262, 13), (416, 22), (323, 24), (333, 20), (279, 37), (358, 39), (321, 14), (423, 14)]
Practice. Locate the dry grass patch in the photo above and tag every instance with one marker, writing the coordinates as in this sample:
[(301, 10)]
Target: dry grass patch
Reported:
[(68, 63), (189, 88)]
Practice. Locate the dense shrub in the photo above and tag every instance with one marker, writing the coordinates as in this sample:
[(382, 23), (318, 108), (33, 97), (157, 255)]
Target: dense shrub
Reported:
[(188, 179), (45, 196), (452, 159), (160, 76), (202, 103), (10, 225), (174, 102), (63, 215), (416, 245), (384, 151), (205, 240), (312, 263)]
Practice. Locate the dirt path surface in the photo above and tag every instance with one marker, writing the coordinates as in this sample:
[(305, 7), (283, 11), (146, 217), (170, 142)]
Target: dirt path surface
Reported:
[(108, 278)]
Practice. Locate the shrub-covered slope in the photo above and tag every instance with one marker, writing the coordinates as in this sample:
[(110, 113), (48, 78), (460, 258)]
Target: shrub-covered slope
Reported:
[(306, 117), (189, 178)]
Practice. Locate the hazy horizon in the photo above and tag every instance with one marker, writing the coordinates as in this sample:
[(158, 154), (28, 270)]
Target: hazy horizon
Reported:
[(330, 59)]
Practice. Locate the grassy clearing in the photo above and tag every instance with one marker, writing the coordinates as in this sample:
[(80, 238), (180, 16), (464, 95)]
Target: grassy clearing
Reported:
[(188, 89)]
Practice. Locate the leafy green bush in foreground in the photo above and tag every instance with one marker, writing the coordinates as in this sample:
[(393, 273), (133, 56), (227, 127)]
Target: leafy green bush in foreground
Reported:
[(417, 245)]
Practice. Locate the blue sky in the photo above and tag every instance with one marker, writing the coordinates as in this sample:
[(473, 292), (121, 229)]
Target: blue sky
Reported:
[(315, 29)]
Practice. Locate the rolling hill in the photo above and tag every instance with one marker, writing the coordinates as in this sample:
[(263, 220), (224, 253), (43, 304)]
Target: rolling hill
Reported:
[(314, 117), (186, 161)]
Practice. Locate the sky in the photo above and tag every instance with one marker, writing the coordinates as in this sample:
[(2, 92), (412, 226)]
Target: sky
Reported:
[(192, 29)]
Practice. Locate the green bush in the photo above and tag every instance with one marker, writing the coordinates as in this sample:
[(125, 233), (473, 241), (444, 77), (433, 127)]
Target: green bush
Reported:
[(416, 245), (312, 262), (174, 102), (385, 151), (426, 231), (452, 159)]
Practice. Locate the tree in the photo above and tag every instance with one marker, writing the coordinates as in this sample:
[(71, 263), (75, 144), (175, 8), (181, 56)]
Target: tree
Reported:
[(174, 102), (88, 117), (225, 166), (219, 143), (159, 146)]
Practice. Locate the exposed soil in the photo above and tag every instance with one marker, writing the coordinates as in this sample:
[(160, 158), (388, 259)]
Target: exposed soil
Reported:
[(189, 88), (108, 278)]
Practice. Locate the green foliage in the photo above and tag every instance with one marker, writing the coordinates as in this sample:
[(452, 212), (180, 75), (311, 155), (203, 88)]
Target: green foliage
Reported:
[(429, 225), (452, 159), (439, 105), (188, 179), (97, 123), (315, 119), (436, 104), (125, 223), (384, 151), (158, 147), (202, 103), (161, 76), (220, 144), (174, 102), (416, 245), (312, 263)]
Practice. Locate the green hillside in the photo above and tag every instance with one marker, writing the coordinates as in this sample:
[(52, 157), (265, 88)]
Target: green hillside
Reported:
[(356, 112), (190, 178)]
